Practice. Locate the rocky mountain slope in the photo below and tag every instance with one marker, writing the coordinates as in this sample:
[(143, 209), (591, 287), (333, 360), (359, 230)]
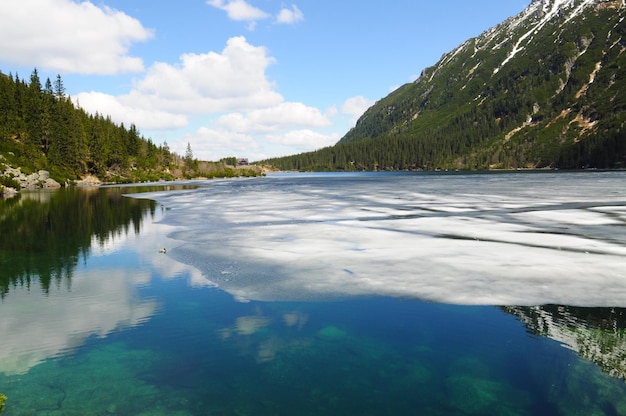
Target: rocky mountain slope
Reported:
[(545, 88)]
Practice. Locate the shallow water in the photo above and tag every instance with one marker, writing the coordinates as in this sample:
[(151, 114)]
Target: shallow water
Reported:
[(258, 308)]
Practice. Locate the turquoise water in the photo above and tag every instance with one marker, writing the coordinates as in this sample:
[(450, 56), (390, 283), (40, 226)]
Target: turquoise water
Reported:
[(116, 328)]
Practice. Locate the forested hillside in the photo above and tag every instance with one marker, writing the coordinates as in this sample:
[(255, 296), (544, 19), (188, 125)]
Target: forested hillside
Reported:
[(42, 129), (546, 88)]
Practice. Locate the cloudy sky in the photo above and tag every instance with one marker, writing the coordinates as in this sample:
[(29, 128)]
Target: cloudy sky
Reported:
[(245, 78)]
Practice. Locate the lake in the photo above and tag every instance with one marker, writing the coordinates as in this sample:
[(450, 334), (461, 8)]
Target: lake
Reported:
[(306, 294)]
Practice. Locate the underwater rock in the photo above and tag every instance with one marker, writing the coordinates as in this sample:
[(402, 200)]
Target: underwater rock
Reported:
[(418, 373), (479, 396), (474, 396), (331, 332)]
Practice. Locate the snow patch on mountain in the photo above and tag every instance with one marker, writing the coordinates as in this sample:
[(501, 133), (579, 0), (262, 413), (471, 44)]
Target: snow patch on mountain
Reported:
[(516, 33), (547, 10)]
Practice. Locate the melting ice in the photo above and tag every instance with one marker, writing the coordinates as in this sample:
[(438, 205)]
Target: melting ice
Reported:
[(497, 239)]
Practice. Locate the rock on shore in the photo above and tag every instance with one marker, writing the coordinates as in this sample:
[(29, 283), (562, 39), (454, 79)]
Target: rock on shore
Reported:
[(36, 180), (89, 181)]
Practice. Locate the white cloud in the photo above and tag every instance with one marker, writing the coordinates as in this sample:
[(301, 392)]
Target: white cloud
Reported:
[(210, 144), (222, 103), (211, 82), (275, 118), (115, 107), (216, 143), (332, 111), (356, 106), (239, 10), (304, 140), (60, 35), (289, 16), (208, 83)]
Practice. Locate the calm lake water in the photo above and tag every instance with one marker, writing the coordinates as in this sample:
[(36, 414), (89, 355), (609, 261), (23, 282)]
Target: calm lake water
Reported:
[(318, 294)]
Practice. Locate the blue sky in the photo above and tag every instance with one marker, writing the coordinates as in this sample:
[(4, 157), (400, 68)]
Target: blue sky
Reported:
[(245, 78)]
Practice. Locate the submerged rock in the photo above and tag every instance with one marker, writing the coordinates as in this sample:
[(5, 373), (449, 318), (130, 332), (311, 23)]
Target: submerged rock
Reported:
[(481, 396), (331, 332)]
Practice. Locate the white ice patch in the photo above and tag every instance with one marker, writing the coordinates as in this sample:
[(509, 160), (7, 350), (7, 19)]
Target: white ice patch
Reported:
[(500, 239)]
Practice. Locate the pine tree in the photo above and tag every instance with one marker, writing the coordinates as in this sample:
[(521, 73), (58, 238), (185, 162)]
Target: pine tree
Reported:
[(59, 88), (188, 156), (48, 88), (33, 109), (165, 154)]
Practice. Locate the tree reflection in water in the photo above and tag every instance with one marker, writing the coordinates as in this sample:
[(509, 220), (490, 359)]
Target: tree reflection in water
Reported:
[(597, 334), (43, 234)]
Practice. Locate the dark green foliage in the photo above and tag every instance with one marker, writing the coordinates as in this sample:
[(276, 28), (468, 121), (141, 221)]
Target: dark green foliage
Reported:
[(9, 182), (45, 241), (41, 128), (471, 111), (232, 161)]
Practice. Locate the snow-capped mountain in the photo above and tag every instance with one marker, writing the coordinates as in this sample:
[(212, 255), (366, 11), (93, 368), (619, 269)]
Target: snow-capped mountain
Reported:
[(545, 88)]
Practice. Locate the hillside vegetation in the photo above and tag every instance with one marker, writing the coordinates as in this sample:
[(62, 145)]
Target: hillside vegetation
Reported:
[(41, 129), (546, 88)]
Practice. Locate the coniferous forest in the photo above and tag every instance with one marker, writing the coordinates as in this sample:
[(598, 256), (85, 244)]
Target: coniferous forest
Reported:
[(42, 129)]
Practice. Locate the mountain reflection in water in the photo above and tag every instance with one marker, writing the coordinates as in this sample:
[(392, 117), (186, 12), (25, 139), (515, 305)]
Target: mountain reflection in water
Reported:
[(597, 334)]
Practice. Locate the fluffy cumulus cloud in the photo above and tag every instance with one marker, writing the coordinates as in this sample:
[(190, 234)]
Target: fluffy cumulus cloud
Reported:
[(121, 109), (289, 16), (233, 80), (214, 144), (355, 107), (227, 97), (240, 10), (275, 118), (304, 140), (44, 33), (211, 82)]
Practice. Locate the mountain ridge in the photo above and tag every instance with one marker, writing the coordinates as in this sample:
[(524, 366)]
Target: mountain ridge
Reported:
[(544, 88)]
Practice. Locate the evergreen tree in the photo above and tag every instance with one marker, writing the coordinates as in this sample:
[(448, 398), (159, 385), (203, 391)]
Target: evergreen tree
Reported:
[(41, 128), (165, 158), (59, 88), (32, 109), (48, 88), (188, 156)]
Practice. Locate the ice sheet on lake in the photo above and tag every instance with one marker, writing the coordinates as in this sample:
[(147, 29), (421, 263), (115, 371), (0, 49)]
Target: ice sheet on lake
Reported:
[(503, 239)]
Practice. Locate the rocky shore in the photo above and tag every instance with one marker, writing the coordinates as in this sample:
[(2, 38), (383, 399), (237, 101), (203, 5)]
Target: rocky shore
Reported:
[(36, 180)]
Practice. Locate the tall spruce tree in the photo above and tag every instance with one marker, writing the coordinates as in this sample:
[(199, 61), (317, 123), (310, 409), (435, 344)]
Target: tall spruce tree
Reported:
[(189, 156), (59, 88)]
